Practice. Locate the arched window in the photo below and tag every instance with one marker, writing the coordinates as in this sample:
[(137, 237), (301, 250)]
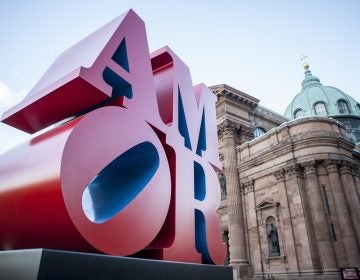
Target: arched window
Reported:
[(357, 107), (343, 107), (259, 131), (320, 109), (299, 113)]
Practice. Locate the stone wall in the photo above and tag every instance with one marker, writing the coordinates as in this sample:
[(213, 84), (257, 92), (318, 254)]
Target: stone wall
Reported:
[(303, 178)]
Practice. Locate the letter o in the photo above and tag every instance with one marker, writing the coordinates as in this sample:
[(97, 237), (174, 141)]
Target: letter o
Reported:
[(115, 181)]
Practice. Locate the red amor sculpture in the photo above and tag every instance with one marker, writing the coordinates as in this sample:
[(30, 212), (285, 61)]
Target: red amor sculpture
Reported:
[(133, 172)]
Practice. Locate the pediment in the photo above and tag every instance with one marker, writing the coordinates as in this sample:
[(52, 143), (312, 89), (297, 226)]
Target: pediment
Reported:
[(267, 203)]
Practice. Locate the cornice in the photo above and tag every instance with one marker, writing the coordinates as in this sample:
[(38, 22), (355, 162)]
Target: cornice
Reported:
[(225, 91), (294, 143), (283, 129), (267, 203), (264, 155), (268, 114)]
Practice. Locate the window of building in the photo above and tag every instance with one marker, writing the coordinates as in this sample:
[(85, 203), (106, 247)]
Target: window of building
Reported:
[(343, 107), (333, 232), (320, 109), (326, 200), (357, 107), (259, 131), (299, 113)]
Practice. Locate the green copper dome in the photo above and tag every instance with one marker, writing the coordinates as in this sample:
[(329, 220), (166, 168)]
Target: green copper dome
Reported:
[(316, 99)]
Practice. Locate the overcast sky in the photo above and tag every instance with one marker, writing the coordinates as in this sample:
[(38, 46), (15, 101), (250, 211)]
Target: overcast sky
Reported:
[(254, 46)]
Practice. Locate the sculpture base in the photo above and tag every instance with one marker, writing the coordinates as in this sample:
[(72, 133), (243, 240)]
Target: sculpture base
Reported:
[(34, 264)]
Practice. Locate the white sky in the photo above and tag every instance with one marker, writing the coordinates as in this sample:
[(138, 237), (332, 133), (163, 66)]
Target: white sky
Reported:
[(254, 46)]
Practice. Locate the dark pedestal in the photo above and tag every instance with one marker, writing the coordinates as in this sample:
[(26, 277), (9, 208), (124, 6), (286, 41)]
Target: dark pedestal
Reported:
[(39, 264)]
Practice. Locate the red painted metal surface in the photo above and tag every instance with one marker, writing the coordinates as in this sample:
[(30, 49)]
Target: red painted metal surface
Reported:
[(32, 212), (135, 175), (172, 76), (74, 82)]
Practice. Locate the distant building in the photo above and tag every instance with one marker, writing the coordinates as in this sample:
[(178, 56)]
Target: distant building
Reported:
[(291, 208)]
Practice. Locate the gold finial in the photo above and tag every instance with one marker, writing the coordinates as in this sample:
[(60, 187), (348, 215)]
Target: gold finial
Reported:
[(305, 63)]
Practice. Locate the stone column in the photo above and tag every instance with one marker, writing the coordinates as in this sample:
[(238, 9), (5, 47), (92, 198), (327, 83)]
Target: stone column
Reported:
[(346, 228), (250, 218), (356, 179), (304, 236), (289, 241), (318, 216), (238, 255), (351, 196)]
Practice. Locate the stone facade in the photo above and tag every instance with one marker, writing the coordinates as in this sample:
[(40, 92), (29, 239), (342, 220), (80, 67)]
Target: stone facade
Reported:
[(291, 208)]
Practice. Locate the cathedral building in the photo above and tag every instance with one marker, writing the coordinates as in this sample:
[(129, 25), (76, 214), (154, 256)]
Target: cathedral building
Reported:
[(290, 204)]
